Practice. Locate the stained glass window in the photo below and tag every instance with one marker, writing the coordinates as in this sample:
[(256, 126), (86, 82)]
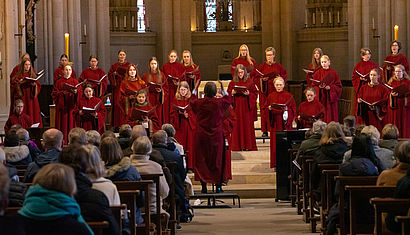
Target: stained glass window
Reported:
[(210, 13), (141, 16)]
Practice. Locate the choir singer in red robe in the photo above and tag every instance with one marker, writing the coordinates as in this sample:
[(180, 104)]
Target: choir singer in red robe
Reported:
[(65, 96), (282, 111), (157, 88), (395, 58), (116, 74), (208, 139), (184, 121), (192, 73), (310, 110), (90, 112), (270, 70), (145, 113), (398, 112), (18, 117), (314, 65), (329, 88), (372, 101), (25, 87), (59, 71), (244, 92), (93, 75)]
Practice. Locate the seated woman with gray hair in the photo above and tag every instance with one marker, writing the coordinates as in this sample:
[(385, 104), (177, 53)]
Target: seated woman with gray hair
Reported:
[(170, 130)]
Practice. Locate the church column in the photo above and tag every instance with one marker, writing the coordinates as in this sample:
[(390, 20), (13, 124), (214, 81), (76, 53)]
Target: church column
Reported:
[(354, 30), (267, 24), (257, 13), (74, 28), (236, 14), (92, 26), (276, 25), (103, 34), (287, 36), (57, 32), (199, 5), (400, 19)]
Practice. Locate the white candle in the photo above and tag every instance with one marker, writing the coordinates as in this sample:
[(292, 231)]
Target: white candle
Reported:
[(85, 30), (306, 17), (116, 21), (125, 21), (314, 18), (338, 17), (321, 17), (132, 22), (330, 17), (373, 26)]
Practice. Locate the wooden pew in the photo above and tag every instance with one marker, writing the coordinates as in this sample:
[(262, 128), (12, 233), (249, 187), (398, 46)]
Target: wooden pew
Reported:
[(359, 197), (405, 224), (98, 227), (116, 211), (293, 194), (129, 191), (157, 216), (306, 161), (171, 198), (327, 186), (342, 182), (386, 205), (312, 217)]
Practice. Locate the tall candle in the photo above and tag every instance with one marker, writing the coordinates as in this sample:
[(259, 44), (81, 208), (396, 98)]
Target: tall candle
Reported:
[(321, 17), (338, 17), (244, 22), (314, 18), (85, 30), (330, 17), (67, 39), (396, 32), (125, 21), (306, 17), (132, 22), (116, 21), (373, 26)]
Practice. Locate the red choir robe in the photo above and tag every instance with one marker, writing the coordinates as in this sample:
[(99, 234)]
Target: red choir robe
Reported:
[(266, 87), (228, 125), (93, 76), (330, 97), (157, 98), (193, 77), (208, 139), (396, 59), (276, 122), (309, 76), (87, 121), (175, 70), (398, 112), (243, 135), (115, 82), (184, 128), (250, 69), (363, 67), (59, 73), (153, 123), (373, 94), (314, 108), (28, 92), (65, 102), (126, 100), (24, 120)]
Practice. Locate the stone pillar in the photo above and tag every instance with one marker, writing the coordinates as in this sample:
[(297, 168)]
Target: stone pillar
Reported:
[(92, 26), (103, 34), (267, 23), (236, 14), (400, 18), (199, 5), (354, 30), (257, 13), (276, 26), (57, 30), (287, 39)]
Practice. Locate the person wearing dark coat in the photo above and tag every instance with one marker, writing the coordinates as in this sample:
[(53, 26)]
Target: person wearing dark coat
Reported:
[(16, 154), (124, 136)]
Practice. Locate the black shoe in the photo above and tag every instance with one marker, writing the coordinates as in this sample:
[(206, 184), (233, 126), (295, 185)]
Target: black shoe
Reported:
[(204, 189), (265, 134)]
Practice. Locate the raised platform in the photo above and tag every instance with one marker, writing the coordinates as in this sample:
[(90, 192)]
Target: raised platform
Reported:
[(214, 198)]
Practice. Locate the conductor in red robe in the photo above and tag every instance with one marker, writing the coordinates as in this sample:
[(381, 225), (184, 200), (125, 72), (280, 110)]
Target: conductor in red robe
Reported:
[(174, 73), (270, 70), (329, 88), (90, 112), (23, 87), (184, 121), (59, 71), (192, 73), (314, 65), (116, 74), (244, 92), (398, 112), (395, 58), (93, 75), (65, 96), (310, 110), (282, 111), (18, 117), (157, 89), (208, 139)]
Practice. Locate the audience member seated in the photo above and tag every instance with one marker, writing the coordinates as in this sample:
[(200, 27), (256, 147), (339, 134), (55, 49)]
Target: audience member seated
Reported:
[(385, 155), (49, 207), (93, 138), (124, 136), (107, 134), (16, 154), (24, 138), (349, 124), (358, 129), (8, 224), (390, 177), (140, 159), (311, 144), (18, 117), (93, 203), (96, 172), (170, 130), (77, 136), (390, 135), (52, 143), (11, 169)]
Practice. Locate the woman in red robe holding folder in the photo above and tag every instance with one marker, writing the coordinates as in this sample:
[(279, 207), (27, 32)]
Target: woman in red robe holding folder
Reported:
[(128, 92), (309, 109), (176, 70), (93, 74), (265, 84), (27, 90), (192, 73), (59, 71), (370, 93), (184, 121), (157, 88), (329, 89), (145, 113), (360, 76), (398, 112), (314, 65), (395, 58), (116, 74), (65, 97), (244, 91), (90, 119), (282, 111)]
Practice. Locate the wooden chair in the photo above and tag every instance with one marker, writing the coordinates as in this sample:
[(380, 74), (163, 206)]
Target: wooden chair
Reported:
[(307, 161), (171, 198), (327, 185), (386, 205), (98, 227), (157, 216), (359, 197), (342, 182), (116, 211), (129, 192)]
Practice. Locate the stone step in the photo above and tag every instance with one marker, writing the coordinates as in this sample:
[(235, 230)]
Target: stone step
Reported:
[(247, 190), (255, 166), (247, 178)]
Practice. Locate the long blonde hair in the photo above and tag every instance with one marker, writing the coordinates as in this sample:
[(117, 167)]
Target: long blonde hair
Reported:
[(405, 75), (245, 73), (314, 63), (248, 55), (191, 61), (332, 133), (178, 95)]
